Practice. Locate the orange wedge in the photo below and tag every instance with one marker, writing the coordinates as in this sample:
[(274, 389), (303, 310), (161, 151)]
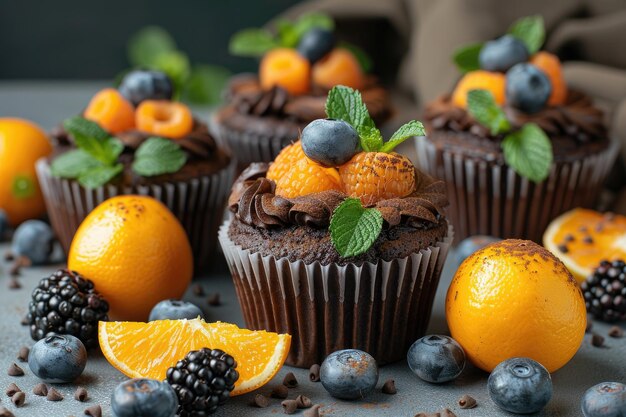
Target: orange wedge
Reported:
[(147, 350), (582, 238)]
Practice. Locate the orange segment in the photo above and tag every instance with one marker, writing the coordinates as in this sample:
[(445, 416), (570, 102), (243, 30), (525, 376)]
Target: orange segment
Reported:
[(582, 238), (164, 118), (479, 80), (307, 177), (339, 67), (284, 67), (111, 111), (147, 350)]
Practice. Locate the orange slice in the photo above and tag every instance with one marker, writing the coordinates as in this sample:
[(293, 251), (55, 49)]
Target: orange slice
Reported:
[(147, 350), (582, 238)]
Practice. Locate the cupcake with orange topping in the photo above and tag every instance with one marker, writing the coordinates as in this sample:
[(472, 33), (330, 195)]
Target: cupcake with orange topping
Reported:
[(298, 67), (137, 140), (514, 145), (339, 241)]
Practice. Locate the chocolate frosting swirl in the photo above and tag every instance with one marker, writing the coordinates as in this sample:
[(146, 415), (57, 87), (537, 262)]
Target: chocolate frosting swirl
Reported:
[(254, 202), (246, 95), (578, 118)]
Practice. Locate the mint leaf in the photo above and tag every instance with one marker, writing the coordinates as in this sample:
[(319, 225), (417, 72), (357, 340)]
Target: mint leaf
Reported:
[(252, 42), (529, 152), (406, 131), (99, 176), (353, 228), (287, 34), (73, 163), (482, 106), (364, 59), (205, 84), (176, 65), (371, 138), (94, 140), (344, 103), (466, 57), (23, 187), (309, 21), (146, 45), (158, 156), (530, 30)]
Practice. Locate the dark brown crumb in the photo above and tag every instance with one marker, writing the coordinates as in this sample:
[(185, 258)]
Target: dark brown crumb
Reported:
[(15, 370), (314, 373), (5, 413), (467, 401), (8, 256), (260, 401), (289, 406), (303, 402), (22, 354), (597, 340), (290, 380), (40, 390), (280, 391), (25, 321), (19, 398), (12, 389), (14, 284), (428, 415), (54, 395), (446, 412), (389, 387), (94, 411), (616, 332), (589, 326), (198, 290), (214, 300), (19, 263), (81, 394), (313, 411)]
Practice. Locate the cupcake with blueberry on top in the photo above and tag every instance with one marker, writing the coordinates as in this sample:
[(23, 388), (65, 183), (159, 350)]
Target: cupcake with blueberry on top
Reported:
[(339, 241), (514, 145), (298, 66), (137, 140)]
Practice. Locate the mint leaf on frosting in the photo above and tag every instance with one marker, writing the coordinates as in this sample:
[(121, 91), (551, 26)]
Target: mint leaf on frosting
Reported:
[(73, 164), (353, 228), (94, 140), (252, 42), (531, 31), (466, 57), (99, 176), (158, 156), (406, 131), (529, 152), (482, 106)]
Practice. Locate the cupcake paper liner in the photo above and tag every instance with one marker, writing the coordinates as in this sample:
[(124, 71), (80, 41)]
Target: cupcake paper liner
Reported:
[(380, 308), (487, 198), (197, 203)]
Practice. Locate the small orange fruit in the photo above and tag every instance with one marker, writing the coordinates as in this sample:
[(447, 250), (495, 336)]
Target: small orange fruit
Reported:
[(136, 253), (285, 160), (111, 111), (307, 177), (494, 82), (339, 67), (551, 65), (164, 118), (515, 299), (147, 350), (22, 143), (583, 238), (286, 68), (375, 176)]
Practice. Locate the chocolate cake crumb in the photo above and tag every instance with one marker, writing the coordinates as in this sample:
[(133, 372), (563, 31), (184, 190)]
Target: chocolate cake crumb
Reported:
[(616, 332), (427, 415), (467, 401), (280, 391), (94, 411), (314, 373), (25, 321), (446, 412), (260, 401), (15, 370), (12, 389), (597, 340), (54, 395), (40, 390), (389, 387), (5, 413), (290, 380), (198, 290), (214, 300), (289, 406), (19, 398), (14, 284), (303, 401), (313, 411), (81, 394), (22, 354)]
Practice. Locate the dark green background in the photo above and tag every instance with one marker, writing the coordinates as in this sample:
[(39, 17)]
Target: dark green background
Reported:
[(86, 39)]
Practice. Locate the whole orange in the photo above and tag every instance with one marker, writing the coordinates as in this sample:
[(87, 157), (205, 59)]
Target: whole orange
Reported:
[(136, 253), (22, 143), (515, 299)]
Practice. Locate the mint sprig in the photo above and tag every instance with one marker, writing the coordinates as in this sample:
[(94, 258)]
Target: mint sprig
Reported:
[(252, 42), (353, 228), (530, 30), (482, 106), (158, 156), (466, 57), (94, 140)]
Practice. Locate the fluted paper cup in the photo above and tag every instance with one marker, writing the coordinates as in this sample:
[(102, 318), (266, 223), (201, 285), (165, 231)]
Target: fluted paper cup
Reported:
[(380, 308), (198, 203)]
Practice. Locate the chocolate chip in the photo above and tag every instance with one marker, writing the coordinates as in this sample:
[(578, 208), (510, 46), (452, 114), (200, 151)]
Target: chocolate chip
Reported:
[(14, 284), (214, 300), (289, 406), (54, 395), (94, 411), (5, 413), (588, 240), (314, 373), (260, 401), (280, 391), (563, 248), (12, 389), (313, 411), (597, 340), (467, 401), (447, 413), (19, 398), (198, 290), (303, 401), (40, 390), (15, 370), (22, 354), (290, 380), (389, 387), (81, 394), (616, 332)]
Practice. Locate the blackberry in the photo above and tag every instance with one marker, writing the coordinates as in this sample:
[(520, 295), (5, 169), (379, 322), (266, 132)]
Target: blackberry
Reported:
[(66, 303), (203, 381), (605, 291)]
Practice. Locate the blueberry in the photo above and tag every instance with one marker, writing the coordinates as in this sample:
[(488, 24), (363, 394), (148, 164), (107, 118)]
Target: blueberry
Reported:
[(527, 88), (175, 310), (33, 239), (520, 385), (472, 244), (329, 142), (349, 374), (144, 397), (436, 358), (140, 85), (607, 399), (4, 224), (502, 53), (316, 43), (58, 358)]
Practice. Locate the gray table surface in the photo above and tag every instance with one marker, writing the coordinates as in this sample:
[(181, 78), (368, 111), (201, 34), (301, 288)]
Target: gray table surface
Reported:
[(47, 103)]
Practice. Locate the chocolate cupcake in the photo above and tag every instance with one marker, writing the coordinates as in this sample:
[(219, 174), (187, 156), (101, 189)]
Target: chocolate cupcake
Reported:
[(265, 113), (347, 264), (521, 148), (96, 159)]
